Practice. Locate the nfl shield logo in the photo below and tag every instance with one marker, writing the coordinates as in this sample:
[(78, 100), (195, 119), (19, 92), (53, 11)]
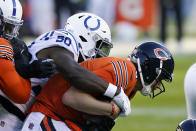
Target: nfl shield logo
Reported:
[(2, 123), (31, 125)]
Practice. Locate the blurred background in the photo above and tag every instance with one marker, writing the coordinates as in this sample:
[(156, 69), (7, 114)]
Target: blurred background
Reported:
[(170, 22)]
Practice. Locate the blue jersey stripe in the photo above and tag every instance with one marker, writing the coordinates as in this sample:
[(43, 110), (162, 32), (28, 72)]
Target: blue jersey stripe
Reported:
[(116, 72), (121, 74), (49, 120), (77, 46), (14, 8), (126, 75), (43, 126)]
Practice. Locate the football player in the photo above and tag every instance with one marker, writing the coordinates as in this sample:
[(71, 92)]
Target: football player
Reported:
[(189, 89), (86, 35), (187, 125), (61, 106), (10, 22), (14, 54)]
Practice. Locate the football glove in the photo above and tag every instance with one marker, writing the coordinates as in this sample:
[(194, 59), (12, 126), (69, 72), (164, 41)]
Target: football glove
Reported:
[(42, 68), (123, 102), (20, 49)]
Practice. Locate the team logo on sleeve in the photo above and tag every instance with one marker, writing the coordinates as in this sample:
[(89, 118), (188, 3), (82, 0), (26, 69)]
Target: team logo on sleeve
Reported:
[(161, 54), (91, 28)]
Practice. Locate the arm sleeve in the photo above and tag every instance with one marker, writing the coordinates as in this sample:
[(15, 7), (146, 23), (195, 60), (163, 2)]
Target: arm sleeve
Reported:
[(12, 84), (6, 50)]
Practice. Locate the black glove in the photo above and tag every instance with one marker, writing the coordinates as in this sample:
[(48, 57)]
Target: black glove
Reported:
[(20, 49), (99, 123), (41, 68)]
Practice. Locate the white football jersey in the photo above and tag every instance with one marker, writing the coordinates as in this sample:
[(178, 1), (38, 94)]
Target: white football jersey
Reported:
[(53, 38), (61, 38)]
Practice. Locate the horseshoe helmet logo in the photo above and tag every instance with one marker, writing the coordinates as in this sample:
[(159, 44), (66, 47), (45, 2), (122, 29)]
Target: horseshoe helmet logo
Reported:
[(161, 54), (91, 28)]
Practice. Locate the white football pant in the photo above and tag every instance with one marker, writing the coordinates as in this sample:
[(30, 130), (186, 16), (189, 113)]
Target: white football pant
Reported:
[(8, 121), (34, 122), (190, 91)]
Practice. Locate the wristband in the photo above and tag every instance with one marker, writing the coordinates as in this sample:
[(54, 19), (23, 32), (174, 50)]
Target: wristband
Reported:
[(113, 107), (110, 91)]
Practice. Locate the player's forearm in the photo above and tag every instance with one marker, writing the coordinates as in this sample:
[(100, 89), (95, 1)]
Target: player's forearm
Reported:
[(87, 81), (86, 103), (77, 75), (92, 106)]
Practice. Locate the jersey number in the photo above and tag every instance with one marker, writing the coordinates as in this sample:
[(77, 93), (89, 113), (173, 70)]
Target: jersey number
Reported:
[(64, 39)]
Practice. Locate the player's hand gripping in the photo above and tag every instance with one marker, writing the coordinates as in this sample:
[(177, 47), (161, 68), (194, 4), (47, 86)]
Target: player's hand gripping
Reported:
[(43, 68), (123, 102)]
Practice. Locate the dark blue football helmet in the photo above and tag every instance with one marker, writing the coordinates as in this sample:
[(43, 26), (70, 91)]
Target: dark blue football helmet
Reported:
[(154, 62), (187, 125)]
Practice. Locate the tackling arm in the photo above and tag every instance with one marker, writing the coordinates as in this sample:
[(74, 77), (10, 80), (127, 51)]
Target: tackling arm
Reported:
[(83, 79), (73, 72)]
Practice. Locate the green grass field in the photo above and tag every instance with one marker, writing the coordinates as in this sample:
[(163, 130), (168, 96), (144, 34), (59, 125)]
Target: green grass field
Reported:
[(165, 111)]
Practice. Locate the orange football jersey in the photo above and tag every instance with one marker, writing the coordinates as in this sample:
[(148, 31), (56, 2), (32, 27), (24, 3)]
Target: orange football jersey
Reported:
[(11, 83), (118, 71)]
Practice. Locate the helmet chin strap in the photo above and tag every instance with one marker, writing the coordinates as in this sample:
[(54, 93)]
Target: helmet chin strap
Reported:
[(146, 90)]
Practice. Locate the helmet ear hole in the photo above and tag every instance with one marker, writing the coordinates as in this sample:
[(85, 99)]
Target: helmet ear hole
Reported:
[(82, 39), (80, 16)]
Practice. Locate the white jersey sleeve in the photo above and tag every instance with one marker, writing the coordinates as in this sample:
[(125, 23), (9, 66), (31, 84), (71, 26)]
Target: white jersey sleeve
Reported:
[(61, 38)]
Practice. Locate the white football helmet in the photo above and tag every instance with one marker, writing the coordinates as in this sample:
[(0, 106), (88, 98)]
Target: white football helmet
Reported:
[(92, 33), (10, 18)]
